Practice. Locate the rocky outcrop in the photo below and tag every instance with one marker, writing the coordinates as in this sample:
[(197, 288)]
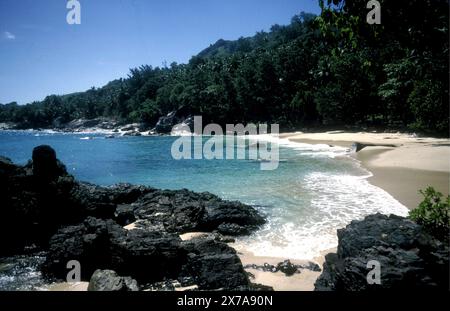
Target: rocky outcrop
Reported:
[(46, 166), (213, 265), (85, 124), (408, 257), (183, 211), (286, 267), (147, 256), (42, 197), (32, 196), (44, 206), (166, 123), (7, 125), (108, 280)]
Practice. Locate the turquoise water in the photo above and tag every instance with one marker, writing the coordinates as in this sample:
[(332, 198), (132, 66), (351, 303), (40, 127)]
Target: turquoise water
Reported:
[(315, 190)]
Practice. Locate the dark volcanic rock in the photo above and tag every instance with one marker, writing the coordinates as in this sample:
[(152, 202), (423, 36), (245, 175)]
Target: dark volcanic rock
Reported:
[(108, 280), (46, 167), (287, 267), (90, 243), (124, 214), (408, 257), (214, 265), (183, 211), (148, 256), (44, 197), (6, 165), (32, 195), (103, 244), (45, 162), (45, 207), (93, 200)]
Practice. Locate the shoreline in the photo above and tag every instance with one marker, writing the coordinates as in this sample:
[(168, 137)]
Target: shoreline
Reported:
[(413, 164), (302, 281)]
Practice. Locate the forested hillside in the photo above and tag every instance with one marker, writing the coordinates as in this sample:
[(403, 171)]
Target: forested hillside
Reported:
[(329, 70)]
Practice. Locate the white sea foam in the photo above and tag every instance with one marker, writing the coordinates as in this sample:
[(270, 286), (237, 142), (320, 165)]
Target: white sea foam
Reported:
[(306, 230)]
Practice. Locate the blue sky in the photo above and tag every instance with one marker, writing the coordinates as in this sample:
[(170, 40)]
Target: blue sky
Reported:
[(40, 54)]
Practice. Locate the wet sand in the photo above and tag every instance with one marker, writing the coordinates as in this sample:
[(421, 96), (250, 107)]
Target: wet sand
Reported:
[(413, 164)]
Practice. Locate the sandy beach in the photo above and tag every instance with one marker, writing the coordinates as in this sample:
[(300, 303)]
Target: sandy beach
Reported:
[(413, 163), (410, 163), (302, 281)]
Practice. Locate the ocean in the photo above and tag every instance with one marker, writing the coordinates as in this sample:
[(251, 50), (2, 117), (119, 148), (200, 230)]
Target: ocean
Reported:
[(316, 189)]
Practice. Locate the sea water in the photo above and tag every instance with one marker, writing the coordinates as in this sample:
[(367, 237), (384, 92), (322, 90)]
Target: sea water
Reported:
[(316, 189)]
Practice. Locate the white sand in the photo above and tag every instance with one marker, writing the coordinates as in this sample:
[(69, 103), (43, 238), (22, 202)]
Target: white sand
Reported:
[(303, 281), (69, 287), (415, 163)]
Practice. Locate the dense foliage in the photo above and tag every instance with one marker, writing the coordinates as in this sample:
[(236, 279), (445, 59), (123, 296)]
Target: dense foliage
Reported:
[(433, 213), (334, 69)]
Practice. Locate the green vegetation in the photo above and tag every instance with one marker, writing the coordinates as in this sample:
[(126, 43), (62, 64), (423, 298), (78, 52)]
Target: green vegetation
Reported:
[(433, 213), (327, 70)]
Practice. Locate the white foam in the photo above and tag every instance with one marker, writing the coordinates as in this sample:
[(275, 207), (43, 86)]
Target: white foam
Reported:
[(336, 200), (307, 149)]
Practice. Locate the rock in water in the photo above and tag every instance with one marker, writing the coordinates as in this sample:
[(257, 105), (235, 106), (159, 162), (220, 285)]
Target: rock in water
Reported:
[(408, 257), (287, 268), (108, 280)]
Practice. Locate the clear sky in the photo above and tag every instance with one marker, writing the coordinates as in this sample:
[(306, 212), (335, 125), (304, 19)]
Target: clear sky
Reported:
[(40, 54)]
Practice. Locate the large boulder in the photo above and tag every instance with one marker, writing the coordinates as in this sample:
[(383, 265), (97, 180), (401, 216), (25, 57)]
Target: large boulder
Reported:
[(33, 199), (103, 244), (182, 116), (146, 256), (184, 211), (108, 280), (214, 265), (165, 124), (89, 242), (408, 257), (45, 164)]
